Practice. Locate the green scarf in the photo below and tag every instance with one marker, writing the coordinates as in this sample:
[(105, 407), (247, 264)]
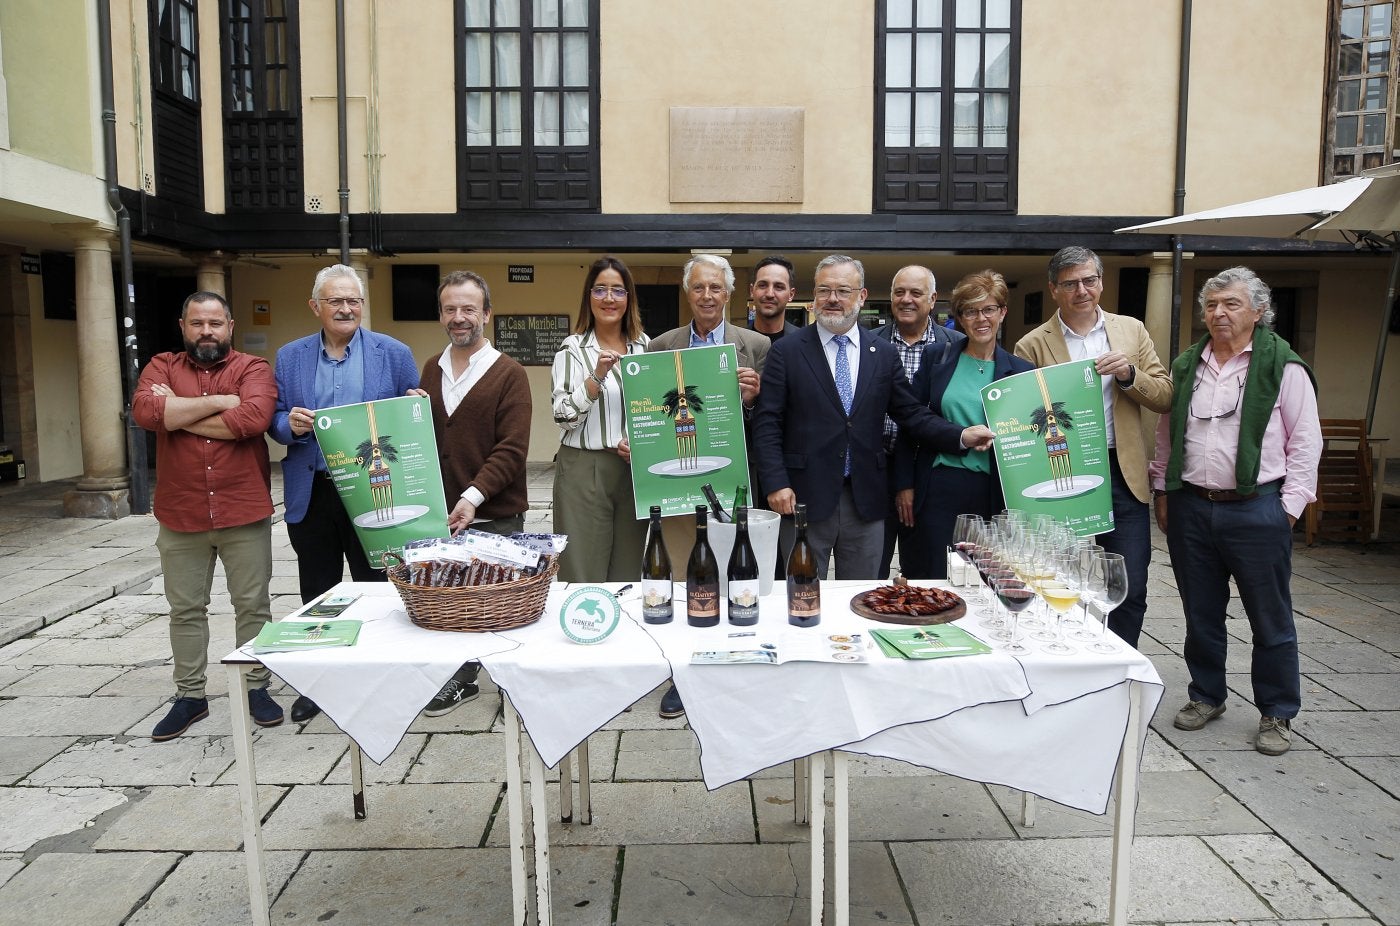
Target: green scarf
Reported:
[(1270, 355)]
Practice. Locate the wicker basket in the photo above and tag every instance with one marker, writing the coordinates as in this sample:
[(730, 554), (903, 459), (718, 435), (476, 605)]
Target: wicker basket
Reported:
[(472, 608)]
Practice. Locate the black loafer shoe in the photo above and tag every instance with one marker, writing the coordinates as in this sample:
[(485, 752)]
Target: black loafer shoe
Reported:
[(266, 712), (303, 709), (671, 706), (184, 713)]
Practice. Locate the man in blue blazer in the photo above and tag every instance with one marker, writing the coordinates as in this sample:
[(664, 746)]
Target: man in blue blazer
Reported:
[(341, 364), (820, 423)]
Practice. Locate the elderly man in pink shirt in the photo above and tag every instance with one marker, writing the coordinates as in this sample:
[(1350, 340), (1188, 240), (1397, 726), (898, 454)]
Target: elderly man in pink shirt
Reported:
[(1236, 463)]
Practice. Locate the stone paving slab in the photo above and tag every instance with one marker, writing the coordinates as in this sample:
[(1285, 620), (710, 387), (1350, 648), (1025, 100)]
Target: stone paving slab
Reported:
[(156, 680), (1383, 771), (128, 651), (440, 886), (1373, 692), (15, 626), (1353, 657), (60, 681), (996, 882), (1371, 733), (211, 889), (1169, 804), (23, 583), (9, 867), (82, 889), (392, 772), (293, 760), (930, 807), (1342, 823), (481, 757), (400, 817), (1283, 878), (658, 755), (28, 815), (20, 755), (630, 814), (184, 819), (120, 574), (136, 762), (33, 716), (1319, 692)]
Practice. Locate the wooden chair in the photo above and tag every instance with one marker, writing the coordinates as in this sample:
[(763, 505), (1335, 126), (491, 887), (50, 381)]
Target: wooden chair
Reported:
[(1344, 484)]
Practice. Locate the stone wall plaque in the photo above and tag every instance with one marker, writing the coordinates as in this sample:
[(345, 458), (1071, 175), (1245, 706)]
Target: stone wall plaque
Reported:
[(736, 154)]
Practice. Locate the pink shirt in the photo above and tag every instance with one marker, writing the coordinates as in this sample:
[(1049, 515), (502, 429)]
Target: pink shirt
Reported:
[(1292, 440)]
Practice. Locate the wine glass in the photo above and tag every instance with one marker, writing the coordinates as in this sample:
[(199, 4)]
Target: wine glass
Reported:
[(1061, 593), (984, 558), (1015, 596), (1086, 550), (967, 529), (1108, 587)]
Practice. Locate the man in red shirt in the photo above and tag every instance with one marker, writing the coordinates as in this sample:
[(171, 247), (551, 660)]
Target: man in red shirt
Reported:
[(209, 407)]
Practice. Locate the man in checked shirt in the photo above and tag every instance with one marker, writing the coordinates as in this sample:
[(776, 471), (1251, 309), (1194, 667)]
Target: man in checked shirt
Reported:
[(209, 406), (912, 295)]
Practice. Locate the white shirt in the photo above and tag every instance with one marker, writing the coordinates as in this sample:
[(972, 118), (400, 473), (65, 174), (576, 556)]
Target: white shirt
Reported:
[(1088, 347), (852, 352), (456, 389)]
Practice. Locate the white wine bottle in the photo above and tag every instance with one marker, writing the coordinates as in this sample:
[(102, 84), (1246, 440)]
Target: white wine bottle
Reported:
[(742, 575), (656, 575)]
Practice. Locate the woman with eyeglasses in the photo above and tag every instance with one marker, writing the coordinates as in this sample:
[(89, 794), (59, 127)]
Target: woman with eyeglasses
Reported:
[(933, 487), (593, 500)]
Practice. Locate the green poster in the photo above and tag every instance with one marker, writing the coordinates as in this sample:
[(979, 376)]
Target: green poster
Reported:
[(383, 458), (685, 423), (1051, 446)]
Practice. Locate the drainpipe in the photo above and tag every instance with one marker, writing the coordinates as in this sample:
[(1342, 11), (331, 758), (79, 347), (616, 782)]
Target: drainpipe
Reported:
[(1183, 93), (131, 360), (342, 141)]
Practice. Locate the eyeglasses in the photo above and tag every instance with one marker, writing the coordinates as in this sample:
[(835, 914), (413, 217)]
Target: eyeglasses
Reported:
[(987, 311), (345, 302), (1069, 286), (843, 293), (602, 292), (1239, 394)]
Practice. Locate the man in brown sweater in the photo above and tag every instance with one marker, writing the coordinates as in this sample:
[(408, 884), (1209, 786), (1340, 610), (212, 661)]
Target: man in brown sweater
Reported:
[(481, 415)]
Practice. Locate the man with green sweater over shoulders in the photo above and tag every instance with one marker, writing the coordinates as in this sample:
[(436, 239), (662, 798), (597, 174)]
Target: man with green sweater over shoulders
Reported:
[(481, 416), (1235, 465)]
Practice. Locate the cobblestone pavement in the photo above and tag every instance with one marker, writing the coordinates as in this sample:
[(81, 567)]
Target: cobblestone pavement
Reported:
[(98, 825)]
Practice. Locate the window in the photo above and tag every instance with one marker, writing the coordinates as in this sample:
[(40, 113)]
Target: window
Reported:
[(174, 33), (1362, 100), (528, 113), (945, 106), (262, 105)]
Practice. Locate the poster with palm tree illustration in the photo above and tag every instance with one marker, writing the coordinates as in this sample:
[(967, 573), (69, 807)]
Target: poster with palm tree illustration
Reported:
[(383, 459), (685, 423), (1051, 446)]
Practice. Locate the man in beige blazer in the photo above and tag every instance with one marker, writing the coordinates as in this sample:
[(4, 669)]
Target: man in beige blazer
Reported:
[(1133, 379)]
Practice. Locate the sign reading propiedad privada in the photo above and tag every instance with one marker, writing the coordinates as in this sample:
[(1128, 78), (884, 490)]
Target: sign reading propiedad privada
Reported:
[(383, 458), (685, 422), (1051, 445)]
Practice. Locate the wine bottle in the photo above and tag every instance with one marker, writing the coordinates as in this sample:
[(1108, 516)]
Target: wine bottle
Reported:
[(656, 575), (721, 515), (741, 500), (803, 585), (702, 578), (742, 575)]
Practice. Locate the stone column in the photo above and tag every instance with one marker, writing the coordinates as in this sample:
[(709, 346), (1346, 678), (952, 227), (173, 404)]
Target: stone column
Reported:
[(1158, 317), (103, 491), (211, 276)]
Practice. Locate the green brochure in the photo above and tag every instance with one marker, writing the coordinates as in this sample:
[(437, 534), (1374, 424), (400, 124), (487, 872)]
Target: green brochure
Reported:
[(685, 423), (294, 634), (933, 642), (1051, 445), (383, 458)]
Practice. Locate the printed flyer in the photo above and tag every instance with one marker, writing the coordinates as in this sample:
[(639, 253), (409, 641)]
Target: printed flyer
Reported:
[(383, 459), (1051, 445), (685, 423)]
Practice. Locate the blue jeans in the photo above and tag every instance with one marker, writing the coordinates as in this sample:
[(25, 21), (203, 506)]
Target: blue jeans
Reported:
[(1132, 537), (1252, 541)]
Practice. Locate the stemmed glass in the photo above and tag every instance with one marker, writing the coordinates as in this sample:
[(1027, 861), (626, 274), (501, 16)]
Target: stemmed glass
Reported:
[(1086, 550), (985, 559), (1108, 587), (1015, 596), (1061, 592), (967, 529)]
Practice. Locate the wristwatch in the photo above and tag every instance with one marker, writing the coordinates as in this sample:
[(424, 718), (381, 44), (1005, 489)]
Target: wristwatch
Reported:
[(1132, 375)]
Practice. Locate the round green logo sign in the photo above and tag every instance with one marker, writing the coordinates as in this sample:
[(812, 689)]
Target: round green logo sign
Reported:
[(590, 615)]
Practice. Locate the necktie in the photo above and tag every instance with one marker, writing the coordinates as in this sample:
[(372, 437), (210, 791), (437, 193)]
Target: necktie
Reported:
[(843, 384)]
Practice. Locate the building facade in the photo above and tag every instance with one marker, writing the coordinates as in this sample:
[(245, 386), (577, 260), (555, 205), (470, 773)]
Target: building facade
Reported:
[(258, 140)]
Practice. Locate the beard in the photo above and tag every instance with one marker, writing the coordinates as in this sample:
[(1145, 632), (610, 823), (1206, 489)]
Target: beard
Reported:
[(465, 338), (838, 324), (207, 351)]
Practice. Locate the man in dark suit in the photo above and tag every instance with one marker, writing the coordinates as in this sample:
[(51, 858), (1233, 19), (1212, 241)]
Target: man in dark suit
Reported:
[(820, 423), (341, 364)]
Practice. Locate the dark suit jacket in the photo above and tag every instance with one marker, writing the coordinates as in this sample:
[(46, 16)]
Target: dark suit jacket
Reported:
[(913, 461), (389, 372), (801, 433)]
